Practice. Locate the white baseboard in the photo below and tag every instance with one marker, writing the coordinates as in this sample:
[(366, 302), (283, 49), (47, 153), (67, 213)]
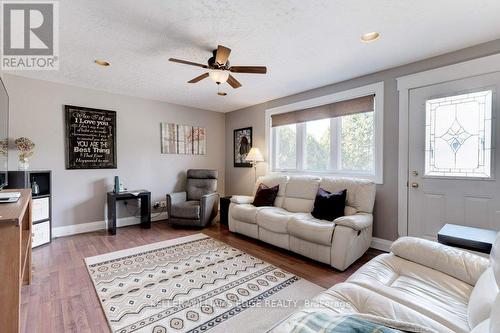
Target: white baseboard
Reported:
[(100, 225), (381, 244)]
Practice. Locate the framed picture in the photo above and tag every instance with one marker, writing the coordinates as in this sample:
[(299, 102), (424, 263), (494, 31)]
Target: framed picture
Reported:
[(183, 139), (90, 138), (242, 144)]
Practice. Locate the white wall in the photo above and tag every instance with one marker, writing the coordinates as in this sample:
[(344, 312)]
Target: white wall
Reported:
[(37, 111)]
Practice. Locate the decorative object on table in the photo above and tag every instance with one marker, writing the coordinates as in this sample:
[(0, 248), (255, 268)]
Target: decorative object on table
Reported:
[(145, 207), (25, 147), (195, 284), (242, 143), (224, 209), (35, 189), (117, 184), (183, 139), (90, 138), (470, 238), (37, 180), (197, 206), (254, 156)]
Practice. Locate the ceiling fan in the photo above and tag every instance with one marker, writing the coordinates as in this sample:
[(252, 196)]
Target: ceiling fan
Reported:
[(219, 68)]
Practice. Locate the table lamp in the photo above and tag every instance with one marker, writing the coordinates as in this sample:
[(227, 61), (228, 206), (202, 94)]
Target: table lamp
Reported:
[(254, 156)]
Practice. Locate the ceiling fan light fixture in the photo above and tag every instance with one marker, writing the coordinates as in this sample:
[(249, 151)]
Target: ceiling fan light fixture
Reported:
[(370, 37), (218, 75)]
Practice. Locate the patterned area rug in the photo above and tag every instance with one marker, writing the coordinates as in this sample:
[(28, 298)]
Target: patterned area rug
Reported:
[(194, 284)]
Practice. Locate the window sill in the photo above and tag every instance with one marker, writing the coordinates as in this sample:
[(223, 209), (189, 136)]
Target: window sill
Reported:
[(376, 179)]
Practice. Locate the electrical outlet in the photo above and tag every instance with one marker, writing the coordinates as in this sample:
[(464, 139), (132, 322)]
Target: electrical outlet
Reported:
[(163, 204), (156, 205)]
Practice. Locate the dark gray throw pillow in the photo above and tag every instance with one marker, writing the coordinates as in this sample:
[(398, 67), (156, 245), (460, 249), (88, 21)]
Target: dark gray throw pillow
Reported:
[(329, 206), (265, 195)]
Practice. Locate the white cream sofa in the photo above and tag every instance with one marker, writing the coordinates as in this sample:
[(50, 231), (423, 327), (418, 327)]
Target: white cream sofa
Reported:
[(421, 282), (289, 223)]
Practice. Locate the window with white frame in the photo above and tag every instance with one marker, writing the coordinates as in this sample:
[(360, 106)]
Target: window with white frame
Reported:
[(342, 136)]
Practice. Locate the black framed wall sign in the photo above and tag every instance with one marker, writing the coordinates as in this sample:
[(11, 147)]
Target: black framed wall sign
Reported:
[(90, 138), (242, 142)]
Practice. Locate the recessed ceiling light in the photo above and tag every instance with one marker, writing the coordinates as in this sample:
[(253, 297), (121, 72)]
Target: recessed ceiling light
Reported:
[(102, 63), (370, 37)]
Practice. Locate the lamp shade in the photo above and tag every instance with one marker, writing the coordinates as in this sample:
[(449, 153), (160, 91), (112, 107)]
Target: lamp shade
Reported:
[(218, 75), (254, 155)]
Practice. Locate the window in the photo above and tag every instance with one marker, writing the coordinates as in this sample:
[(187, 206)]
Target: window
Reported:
[(458, 135), (336, 137)]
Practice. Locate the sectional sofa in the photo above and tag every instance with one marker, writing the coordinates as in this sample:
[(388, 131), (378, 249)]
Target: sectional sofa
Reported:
[(421, 283), (289, 223)]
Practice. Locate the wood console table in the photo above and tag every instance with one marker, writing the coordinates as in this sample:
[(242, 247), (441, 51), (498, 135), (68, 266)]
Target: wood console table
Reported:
[(15, 257)]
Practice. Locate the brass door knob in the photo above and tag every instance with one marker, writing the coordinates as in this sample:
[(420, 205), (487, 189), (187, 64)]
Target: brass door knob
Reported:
[(414, 185)]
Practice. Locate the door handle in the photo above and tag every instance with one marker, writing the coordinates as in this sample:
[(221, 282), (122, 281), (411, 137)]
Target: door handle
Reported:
[(414, 185)]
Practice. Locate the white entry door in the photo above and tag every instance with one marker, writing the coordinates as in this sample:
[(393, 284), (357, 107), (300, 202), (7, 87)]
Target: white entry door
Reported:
[(454, 168)]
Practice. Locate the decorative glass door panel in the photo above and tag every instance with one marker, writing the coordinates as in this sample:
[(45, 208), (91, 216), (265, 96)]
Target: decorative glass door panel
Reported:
[(458, 135)]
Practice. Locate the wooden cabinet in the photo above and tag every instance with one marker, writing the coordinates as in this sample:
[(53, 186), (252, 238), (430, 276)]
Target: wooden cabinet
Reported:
[(15, 257), (42, 201)]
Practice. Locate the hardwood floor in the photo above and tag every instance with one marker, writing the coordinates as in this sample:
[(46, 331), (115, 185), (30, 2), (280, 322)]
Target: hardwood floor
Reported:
[(62, 298)]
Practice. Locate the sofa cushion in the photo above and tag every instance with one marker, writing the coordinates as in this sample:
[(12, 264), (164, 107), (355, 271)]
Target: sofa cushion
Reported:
[(360, 192), (458, 263), (270, 181), (274, 219), (306, 227), (300, 193), (329, 206), (265, 196), (482, 298), (186, 210), (245, 213), (434, 294), (348, 298)]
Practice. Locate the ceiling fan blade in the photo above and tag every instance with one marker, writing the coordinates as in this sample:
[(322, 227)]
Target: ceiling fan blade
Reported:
[(233, 82), (222, 55), (199, 78), (249, 69), (185, 62)]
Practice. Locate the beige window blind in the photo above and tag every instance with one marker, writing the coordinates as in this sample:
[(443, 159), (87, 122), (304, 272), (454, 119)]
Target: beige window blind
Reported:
[(338, 109)]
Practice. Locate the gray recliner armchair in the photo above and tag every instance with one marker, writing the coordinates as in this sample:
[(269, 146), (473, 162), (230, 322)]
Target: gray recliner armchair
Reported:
[(198, 205)]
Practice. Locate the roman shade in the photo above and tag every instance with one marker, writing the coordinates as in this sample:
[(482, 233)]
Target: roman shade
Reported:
[(337, 109)]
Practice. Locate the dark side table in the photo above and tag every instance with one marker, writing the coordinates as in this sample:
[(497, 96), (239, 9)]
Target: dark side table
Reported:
[(475, 239), (224, 209), (143, 195)]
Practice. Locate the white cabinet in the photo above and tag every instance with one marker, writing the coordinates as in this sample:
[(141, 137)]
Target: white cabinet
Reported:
[(41, 234), (40, 182), (41, 209)]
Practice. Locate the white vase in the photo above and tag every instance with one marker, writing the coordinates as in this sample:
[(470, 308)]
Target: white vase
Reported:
[(24, 164)]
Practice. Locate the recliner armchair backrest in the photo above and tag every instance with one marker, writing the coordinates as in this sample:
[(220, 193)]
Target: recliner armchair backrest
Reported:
[(360, 192), (201, 182)]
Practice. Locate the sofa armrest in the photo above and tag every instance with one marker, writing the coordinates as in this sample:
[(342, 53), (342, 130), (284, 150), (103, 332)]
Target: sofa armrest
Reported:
[(241, 199), (209, 204), (460, 264), (175, 198), (358, 221)]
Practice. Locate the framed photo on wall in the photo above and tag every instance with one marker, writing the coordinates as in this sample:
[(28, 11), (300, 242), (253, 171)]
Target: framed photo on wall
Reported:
[(242, 139), (90, 138)]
